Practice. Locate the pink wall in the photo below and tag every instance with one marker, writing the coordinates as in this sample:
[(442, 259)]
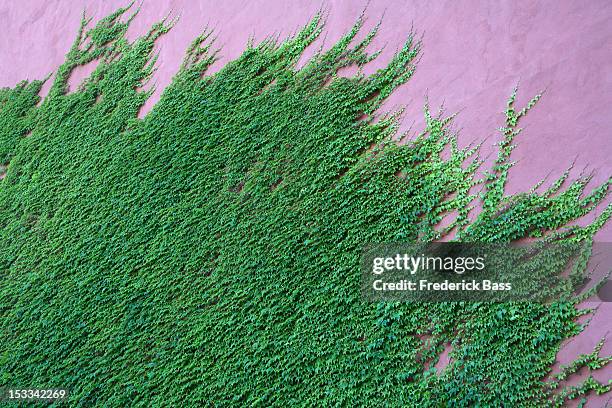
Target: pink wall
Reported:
[(474, 54)]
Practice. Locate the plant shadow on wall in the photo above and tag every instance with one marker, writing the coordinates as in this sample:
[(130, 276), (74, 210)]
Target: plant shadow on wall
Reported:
[(210, 251)]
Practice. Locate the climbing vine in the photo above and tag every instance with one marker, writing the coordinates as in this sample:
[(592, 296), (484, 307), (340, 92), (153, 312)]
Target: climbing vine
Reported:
[(208, 254)]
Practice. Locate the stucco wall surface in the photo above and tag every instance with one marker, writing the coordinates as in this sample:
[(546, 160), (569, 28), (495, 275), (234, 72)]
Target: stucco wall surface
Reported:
[(474, 53)]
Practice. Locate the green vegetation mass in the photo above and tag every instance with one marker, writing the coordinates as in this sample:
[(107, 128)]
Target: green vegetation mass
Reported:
[(208, 254)]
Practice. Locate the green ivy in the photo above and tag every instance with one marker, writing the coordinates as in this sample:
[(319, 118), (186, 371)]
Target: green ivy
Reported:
[(208, 254)]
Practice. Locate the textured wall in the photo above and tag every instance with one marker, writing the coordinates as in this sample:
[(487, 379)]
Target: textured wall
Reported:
[(474, 53)]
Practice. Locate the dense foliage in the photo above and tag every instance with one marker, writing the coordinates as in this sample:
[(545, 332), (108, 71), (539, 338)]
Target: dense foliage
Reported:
[(209, 253)]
